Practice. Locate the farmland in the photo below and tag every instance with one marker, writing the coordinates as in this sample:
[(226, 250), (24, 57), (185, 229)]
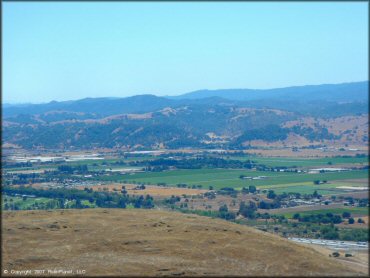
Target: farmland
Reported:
[(219, 178), (23, 203), (355, 211), (238, 187), (304, 162)]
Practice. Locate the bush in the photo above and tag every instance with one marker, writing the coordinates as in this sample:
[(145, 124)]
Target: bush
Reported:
[(271, 194), (354, 234), (335, 254), (328, 232)]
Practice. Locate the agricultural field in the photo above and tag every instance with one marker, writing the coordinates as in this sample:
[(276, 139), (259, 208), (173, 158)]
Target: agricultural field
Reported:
[(355, 211), (23, 203), (35, 203), (329, 188), (219, 178), (211, 183), (302, 162)]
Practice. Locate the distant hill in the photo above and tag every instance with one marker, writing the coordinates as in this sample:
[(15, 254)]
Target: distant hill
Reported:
[(136, 242), (283, 98), (148, 121), (356, 91), (101, 106)]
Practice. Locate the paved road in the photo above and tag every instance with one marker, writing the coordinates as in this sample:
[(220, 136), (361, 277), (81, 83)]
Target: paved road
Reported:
[(333, 244)]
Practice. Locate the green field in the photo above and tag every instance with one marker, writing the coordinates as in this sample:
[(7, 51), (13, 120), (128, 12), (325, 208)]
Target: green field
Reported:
[(309, 187), (23, 204), (219, 178), (355, 211), (30, 201), (301, 162)]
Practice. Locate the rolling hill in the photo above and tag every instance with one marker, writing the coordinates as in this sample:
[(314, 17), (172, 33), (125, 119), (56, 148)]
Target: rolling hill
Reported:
[(207, 119), (355, 91), (153, 243)]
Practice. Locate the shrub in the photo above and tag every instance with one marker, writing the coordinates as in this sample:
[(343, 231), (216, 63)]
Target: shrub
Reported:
[(335, 254)]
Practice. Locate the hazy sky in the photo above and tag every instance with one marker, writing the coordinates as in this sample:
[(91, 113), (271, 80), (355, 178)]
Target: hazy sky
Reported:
[(62, 51)]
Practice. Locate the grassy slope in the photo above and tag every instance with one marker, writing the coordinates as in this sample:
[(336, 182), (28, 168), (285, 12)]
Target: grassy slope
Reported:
[(355, 211), (142, 242)]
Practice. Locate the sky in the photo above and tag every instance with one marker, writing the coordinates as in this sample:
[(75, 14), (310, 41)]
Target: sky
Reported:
[(66, 51)]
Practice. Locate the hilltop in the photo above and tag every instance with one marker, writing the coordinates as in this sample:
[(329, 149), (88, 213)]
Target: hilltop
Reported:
[(153, 243)]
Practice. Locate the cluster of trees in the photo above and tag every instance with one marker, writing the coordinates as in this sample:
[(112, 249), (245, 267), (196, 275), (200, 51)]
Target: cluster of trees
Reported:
[(362, 202), (172, 200), (192, 163), (23, 178), (354, 234), (224, 213), (319, 218), (250, 189), (194, 186), (228, 191), (99, 199), (276, 200), (78, 169), (267, 133), (329, 232), (332, 232), (7, 164), (269, 205), (311, 134), (249, 210), (210, 195)]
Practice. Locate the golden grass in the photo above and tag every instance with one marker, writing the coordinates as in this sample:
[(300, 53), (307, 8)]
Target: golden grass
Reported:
[(153, 243)]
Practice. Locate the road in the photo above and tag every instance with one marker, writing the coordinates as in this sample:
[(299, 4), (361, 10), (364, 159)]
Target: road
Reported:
[(334, 244)]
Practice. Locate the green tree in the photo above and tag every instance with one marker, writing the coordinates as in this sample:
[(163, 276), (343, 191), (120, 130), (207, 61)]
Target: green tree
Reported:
[(249, 210), (271, 194), (316, 195), (223, 208), (252, 189)]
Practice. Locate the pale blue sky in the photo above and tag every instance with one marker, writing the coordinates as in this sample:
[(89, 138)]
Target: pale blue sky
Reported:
[(63, 51)]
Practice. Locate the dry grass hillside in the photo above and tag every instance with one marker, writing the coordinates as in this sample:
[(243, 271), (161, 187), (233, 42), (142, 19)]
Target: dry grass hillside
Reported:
[(152, 243)]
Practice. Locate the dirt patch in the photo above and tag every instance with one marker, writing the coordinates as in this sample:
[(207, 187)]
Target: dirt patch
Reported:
[(300, 208), (358, 261), (149, 189), (356, 224)]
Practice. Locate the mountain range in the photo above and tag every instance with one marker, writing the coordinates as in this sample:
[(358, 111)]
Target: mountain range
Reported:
[(206, 118)]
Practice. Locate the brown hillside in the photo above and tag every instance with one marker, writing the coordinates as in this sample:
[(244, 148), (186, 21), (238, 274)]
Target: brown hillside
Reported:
[(155, 243)]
